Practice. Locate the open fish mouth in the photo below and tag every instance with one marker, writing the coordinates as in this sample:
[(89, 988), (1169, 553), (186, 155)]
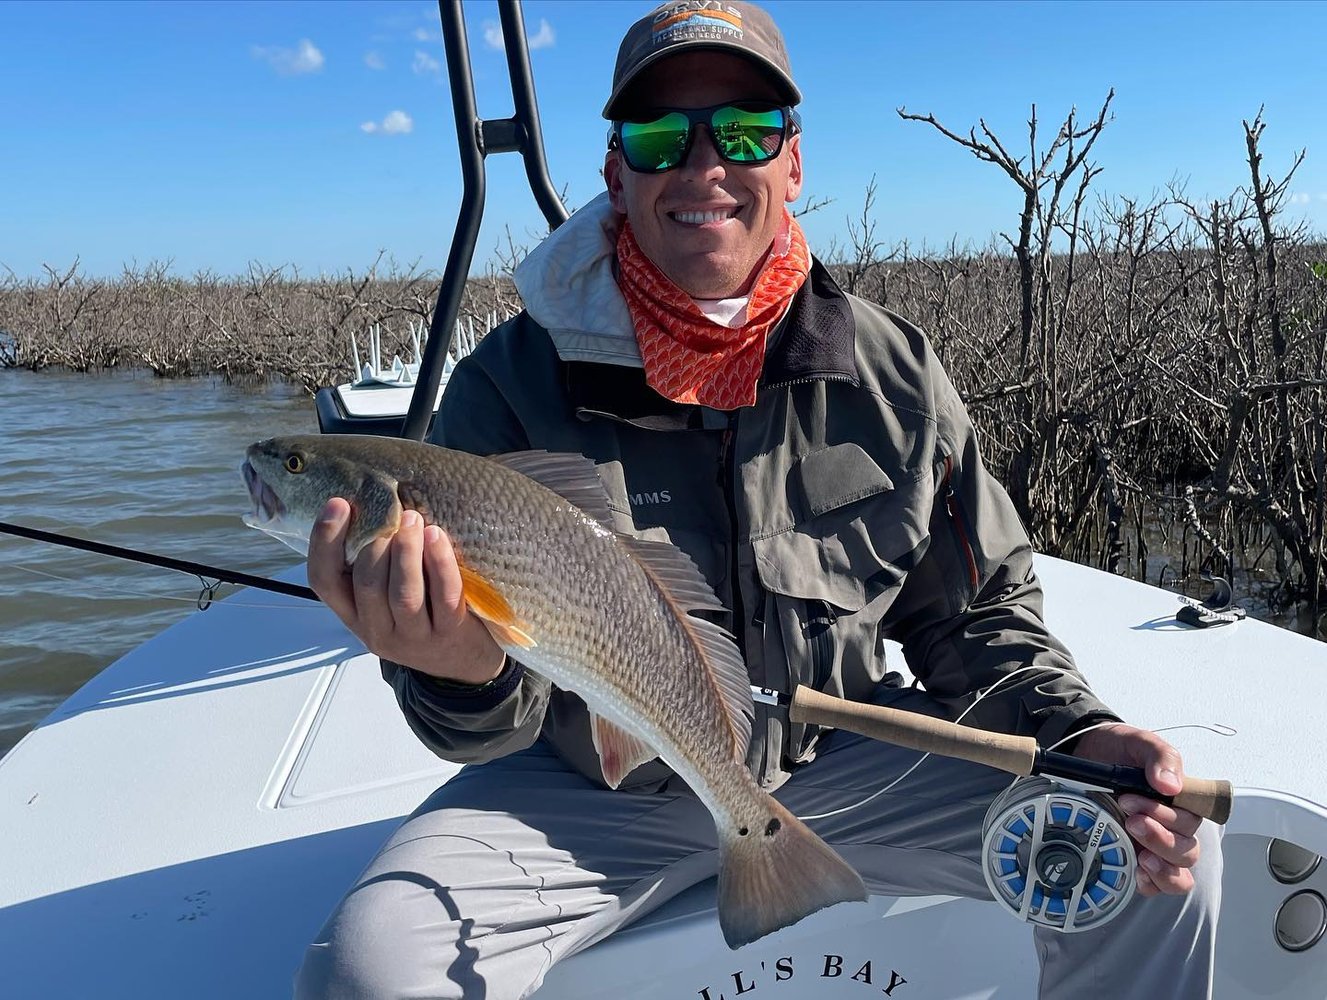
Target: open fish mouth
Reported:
[(267, 506)]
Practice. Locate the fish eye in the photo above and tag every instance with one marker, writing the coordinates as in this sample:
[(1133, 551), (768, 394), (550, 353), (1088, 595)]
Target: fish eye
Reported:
[(294, 462)]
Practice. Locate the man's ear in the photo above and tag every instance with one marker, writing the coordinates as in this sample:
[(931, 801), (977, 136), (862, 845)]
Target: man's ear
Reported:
[(613, 179), (794, 190)]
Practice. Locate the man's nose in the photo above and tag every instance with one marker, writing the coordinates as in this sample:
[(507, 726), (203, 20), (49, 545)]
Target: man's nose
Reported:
[(703, 157)]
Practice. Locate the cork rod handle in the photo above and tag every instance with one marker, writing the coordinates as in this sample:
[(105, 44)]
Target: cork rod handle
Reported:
[(1015, 754)]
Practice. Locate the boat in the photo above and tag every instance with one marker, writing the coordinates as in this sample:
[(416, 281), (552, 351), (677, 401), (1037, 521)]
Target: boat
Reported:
[(376, 399), (183, 823)]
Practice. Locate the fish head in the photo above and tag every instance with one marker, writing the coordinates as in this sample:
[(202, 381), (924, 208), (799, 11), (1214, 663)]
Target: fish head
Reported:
[(290, 479)]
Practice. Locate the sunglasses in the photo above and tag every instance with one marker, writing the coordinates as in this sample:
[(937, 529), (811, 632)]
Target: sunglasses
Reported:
[(743, 132)]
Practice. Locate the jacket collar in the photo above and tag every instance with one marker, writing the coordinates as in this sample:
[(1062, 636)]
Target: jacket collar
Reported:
[(817, 340)]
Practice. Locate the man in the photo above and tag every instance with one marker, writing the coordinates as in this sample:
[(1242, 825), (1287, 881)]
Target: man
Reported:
[(807, 451)]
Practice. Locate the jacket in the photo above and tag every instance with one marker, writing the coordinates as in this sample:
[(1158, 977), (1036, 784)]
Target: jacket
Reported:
[(848, 506)]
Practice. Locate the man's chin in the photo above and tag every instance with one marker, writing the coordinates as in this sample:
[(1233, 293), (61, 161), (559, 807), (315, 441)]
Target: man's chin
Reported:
[(710, 275)]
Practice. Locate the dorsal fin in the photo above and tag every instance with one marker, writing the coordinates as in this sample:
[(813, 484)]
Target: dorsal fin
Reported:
[(572, 477), (681, 583), (675, 572)]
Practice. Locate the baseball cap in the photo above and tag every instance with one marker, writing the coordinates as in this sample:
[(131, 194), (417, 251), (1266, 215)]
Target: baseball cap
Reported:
[(686, 25)]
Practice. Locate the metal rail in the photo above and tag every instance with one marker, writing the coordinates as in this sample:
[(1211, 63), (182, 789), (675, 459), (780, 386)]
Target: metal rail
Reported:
[(476, 139)]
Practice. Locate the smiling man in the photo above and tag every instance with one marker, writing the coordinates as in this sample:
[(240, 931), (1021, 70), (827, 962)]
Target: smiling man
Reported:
[(807, 451)]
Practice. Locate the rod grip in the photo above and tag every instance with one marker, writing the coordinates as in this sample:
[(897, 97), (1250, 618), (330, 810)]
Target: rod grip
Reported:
[(1015, 754), (1207, 797)]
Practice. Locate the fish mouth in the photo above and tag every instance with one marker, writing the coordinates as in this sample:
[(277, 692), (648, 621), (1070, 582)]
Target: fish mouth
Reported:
[(267, 506)]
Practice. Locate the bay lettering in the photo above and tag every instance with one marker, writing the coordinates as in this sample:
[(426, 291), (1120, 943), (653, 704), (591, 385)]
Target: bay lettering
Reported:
[(783, 969), (833, 966)]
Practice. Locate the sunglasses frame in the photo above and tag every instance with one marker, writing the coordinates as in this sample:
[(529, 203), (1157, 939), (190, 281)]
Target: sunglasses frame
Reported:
[(792, 125)]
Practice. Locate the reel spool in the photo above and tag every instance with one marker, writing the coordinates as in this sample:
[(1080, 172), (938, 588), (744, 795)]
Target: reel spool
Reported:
[(1058, 857)]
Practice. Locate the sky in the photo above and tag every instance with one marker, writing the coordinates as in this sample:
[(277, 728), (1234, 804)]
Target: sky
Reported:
[(316, 134)]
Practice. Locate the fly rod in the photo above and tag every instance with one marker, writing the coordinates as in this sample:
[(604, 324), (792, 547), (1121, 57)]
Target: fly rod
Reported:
[(1020, 755), (165, 562)]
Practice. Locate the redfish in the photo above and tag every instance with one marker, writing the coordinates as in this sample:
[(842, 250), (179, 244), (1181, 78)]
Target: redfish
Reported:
[(596, 612)]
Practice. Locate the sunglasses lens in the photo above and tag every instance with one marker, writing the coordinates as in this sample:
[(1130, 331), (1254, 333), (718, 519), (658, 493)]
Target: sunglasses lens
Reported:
[(746, 135), (742, 133), (655, 145)]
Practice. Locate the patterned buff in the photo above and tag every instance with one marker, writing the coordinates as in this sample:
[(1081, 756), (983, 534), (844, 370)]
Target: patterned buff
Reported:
[(690, 359)]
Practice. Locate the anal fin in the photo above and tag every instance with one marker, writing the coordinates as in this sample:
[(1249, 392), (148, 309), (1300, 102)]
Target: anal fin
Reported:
[(620, 752), (488, 603)]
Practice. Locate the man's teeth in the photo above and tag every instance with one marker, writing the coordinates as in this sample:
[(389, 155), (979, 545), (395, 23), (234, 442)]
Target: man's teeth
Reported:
[(699, 218)]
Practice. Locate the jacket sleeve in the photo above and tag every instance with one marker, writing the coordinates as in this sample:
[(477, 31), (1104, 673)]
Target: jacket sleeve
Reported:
[(461, 722), (970, 612)]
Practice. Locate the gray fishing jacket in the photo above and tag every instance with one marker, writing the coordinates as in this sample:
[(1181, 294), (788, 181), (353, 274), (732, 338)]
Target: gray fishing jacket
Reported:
[(848, 506)]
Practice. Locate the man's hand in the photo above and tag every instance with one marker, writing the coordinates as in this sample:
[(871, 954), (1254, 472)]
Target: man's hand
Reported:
[(403, 597), (1163, 834)]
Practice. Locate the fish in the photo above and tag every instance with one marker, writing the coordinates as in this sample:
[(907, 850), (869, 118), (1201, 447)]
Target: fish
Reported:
[(597, 612)]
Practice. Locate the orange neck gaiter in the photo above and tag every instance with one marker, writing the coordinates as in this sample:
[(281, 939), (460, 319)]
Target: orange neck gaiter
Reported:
[(688, 357)]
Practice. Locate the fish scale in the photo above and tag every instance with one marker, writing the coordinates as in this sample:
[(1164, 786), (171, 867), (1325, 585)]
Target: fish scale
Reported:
[(598, 614)]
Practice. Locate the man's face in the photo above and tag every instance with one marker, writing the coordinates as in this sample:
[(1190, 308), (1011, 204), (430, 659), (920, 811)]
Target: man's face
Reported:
[(713, 258)]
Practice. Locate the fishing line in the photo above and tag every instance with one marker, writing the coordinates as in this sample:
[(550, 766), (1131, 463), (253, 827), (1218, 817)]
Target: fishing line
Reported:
[(165, 562)]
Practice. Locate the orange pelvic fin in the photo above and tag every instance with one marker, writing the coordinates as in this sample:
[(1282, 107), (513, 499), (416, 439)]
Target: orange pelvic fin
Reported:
[(487, 603)]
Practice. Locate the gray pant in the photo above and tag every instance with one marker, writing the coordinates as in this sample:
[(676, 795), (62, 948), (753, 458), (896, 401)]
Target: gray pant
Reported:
[(519, 863)]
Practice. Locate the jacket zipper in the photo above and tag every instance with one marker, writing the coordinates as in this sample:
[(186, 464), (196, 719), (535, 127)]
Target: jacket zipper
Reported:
[(727, 472), (820, 619), (956, 519)]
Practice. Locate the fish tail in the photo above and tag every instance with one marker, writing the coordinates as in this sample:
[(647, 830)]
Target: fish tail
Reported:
[(774, 876)]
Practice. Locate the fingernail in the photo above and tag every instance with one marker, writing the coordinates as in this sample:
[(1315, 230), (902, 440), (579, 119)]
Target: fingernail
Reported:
[(409, 519), (1152, 863), (1136, 825), (432, 533)]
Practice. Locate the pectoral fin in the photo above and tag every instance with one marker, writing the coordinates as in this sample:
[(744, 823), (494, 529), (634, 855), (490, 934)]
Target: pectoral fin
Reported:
[(620, 753), (487, 603)]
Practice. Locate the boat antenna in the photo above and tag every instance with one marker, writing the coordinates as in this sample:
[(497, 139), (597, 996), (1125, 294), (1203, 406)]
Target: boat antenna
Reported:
[(476, 139)]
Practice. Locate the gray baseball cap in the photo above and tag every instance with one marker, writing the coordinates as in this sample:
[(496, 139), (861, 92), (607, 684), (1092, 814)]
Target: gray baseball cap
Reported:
[(682, 25)]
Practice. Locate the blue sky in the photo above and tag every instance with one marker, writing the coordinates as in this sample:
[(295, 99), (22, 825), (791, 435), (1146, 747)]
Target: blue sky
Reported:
[(317, 133)]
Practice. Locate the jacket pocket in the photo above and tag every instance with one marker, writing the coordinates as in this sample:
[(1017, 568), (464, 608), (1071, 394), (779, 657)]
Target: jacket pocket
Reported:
[(830, 577)]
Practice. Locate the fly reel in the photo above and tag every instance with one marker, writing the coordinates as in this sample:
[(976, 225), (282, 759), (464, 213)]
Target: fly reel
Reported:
[(1058, 857)]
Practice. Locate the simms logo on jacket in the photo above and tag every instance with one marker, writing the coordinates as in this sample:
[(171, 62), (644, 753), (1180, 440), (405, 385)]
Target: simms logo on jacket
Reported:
[(645, 499)]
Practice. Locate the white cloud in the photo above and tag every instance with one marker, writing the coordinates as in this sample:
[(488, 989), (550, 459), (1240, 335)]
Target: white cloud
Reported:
[(396, 123), (304, 58), (1300, 198), (425, 64), (374, 61), (544, 38), (425, 35)]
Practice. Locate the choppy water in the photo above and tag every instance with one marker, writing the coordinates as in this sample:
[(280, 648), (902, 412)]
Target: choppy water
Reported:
[(130, 460)]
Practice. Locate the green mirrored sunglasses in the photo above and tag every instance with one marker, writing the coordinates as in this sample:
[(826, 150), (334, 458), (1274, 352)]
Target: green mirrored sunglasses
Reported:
[(745, 132)]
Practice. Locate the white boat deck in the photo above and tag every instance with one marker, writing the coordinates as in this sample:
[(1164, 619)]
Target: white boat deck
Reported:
[(182, 825)]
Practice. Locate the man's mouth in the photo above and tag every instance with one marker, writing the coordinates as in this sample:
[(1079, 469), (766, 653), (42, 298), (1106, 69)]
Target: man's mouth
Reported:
[(701, 218)]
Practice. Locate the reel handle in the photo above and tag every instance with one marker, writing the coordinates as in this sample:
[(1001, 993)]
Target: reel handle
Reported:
[(1209, 798)]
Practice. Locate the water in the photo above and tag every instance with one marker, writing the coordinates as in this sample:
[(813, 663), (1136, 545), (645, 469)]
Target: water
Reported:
[(149, 464), (134, 461)]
